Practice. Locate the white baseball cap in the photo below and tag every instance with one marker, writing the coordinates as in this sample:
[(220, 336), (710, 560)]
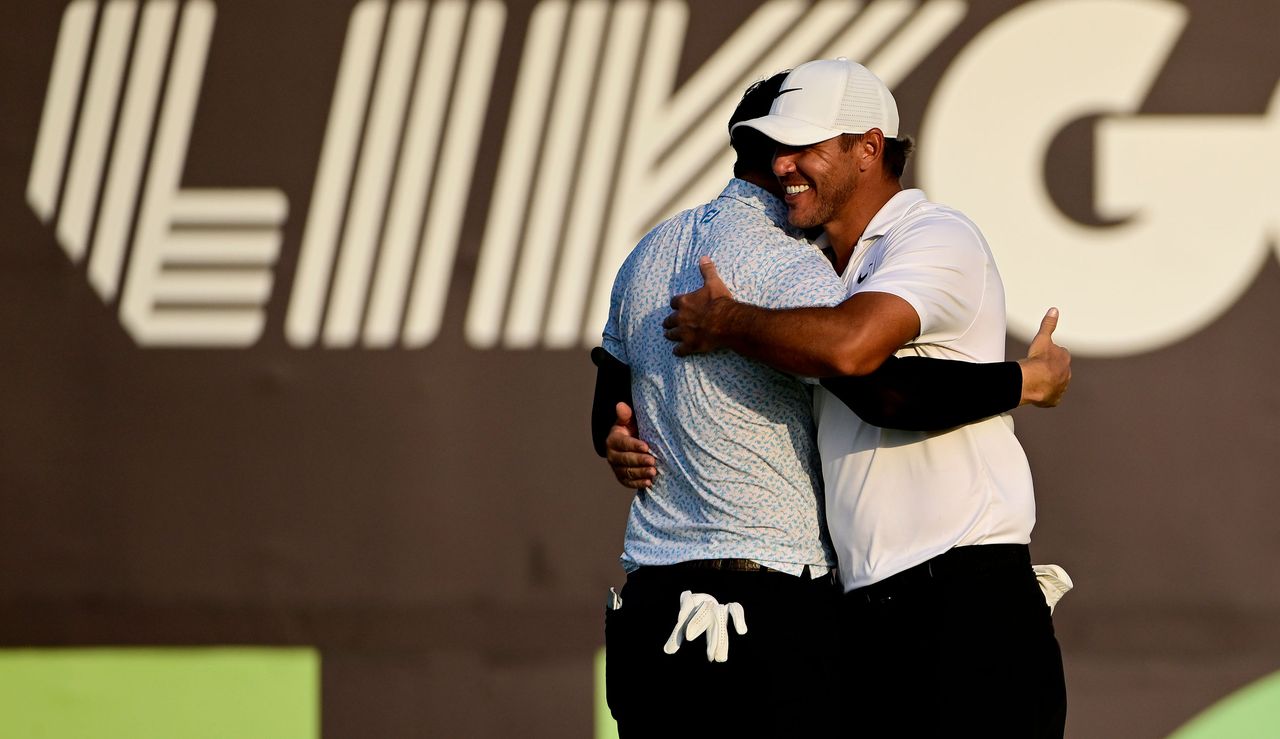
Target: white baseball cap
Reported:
[(822, 99)]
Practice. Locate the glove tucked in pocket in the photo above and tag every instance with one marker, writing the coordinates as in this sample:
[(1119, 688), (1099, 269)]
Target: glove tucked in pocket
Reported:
[(700, 613), (1054, 582)]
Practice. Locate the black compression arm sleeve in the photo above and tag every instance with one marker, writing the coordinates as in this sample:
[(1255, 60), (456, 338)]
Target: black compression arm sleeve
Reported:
[(613, 386), (927, 394)]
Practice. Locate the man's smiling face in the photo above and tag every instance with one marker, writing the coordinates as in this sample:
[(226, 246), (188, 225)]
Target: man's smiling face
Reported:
[(818, 180)]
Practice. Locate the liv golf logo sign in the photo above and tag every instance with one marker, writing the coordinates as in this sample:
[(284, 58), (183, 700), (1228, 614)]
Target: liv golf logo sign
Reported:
[(600, 144)]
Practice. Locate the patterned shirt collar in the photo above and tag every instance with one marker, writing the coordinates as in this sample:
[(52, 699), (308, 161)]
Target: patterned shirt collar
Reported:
[(761, 199)]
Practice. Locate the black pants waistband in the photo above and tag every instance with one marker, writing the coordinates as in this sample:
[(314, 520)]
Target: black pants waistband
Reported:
[(728, 565), (951, 563), (721, 565), (693, 572)]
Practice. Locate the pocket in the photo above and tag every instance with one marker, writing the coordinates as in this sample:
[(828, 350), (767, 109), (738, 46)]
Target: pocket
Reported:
[(615, 662)]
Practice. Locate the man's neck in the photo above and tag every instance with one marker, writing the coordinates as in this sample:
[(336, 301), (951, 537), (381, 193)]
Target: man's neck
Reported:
[(762, 179), (845, 230)]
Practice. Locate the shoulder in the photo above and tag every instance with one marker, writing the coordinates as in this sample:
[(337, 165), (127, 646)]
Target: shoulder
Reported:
[(765, 250), (661, 237), (674, 225), (745, 230), (940, 228), (930, 217)]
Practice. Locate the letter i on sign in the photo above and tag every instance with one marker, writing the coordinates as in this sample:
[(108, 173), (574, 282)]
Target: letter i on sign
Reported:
[(384, 232)]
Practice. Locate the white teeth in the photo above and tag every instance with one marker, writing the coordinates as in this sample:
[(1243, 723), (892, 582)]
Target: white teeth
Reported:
[(796, 189)]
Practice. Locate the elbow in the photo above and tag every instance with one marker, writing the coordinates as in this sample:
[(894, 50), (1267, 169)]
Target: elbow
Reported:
[(849, 359)]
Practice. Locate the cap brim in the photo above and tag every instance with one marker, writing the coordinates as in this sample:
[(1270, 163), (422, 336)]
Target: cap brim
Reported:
[(789, 131)]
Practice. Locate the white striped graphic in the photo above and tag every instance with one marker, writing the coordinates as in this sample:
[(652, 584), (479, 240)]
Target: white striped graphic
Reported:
[(857, 41), (58, 117), (600, 144), (646, 184), (551, 186), (673, 154), (199, 267), (917, 39), (584, 171), (515, 172), (702, 161), (444, 215), (373, 178), (333, 176), (656, 79), (393, 196), (213, 307), (413, 181), (864, 39), (90, 152), (132, 137), (603, 135)]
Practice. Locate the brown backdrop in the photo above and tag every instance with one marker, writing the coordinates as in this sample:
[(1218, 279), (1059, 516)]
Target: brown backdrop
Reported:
[(434, 520)]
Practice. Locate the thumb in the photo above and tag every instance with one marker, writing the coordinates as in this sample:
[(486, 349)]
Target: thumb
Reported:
[(1047, 326), (709, 275), (624, 414)]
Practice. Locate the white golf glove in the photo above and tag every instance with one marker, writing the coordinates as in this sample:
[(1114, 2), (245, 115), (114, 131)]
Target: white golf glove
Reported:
[(1054, 582), (700, 613)]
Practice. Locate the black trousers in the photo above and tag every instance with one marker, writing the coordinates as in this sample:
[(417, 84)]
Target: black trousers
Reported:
[(775, 682), (960, 646)]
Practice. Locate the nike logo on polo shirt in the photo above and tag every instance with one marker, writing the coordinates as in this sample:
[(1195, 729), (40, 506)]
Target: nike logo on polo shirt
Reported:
[(864, 276)]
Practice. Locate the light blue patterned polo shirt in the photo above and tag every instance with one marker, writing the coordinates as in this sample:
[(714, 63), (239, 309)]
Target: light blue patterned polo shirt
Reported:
[(738, 469)]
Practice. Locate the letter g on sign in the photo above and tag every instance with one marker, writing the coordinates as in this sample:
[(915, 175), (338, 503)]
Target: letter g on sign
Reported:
[(1185, 248)]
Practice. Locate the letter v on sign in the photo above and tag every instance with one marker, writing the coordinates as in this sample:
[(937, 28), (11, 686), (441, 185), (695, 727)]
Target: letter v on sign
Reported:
[(624, 147)]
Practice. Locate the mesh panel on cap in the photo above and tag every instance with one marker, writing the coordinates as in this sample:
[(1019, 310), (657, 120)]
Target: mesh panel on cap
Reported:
[(860, 109)]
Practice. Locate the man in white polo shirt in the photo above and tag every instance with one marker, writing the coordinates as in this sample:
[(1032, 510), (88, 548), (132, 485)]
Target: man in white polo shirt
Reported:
[(945, 630)]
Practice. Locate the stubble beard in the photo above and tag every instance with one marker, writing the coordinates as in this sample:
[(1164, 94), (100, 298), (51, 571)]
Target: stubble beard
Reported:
[(827, 203)]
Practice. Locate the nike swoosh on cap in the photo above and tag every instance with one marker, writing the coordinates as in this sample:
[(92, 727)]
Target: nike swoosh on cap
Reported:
[(789, 89)]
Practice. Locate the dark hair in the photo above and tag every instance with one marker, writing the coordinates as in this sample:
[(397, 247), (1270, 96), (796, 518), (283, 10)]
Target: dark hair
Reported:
[(754, 149), (896, 151)]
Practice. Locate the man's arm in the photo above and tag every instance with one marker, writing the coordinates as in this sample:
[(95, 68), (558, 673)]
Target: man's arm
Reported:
[(852, 338), (613, 427), (613, 386), (911, 393), (927, 394)]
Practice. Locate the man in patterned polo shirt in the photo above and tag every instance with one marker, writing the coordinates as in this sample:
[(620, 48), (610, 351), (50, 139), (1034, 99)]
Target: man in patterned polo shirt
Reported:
[(737, 438)]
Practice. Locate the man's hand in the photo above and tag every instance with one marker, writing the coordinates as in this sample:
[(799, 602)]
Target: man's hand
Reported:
[(1046, 370), (629, 457), (692, 325)]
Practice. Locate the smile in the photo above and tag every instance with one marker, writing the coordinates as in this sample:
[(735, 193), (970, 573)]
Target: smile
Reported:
[(796, 189)]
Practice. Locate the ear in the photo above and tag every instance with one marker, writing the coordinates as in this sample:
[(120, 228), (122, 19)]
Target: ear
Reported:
[(870, 149)]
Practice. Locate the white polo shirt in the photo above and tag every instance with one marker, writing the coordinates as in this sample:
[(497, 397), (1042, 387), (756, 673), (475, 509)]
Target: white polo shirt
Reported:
[(898, 498)]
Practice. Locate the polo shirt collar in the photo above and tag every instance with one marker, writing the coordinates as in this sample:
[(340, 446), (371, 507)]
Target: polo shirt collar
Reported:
[(891, 212), (759, 198)]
